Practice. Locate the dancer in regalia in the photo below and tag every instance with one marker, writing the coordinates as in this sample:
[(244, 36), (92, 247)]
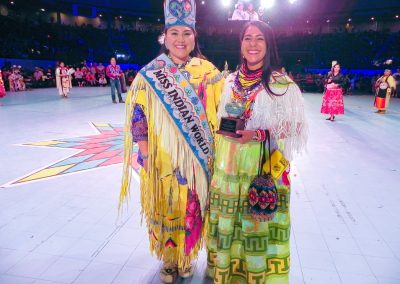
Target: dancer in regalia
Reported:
[(63, 81), (2, 88), (16, 80), (171, 112), (332, 101), (385, 87)]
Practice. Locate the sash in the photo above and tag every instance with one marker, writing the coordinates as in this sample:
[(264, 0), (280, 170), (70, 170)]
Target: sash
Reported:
[(183, 106)]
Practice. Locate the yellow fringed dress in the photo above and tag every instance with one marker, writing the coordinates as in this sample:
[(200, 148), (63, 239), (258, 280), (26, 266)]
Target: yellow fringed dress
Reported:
[(164, 197)]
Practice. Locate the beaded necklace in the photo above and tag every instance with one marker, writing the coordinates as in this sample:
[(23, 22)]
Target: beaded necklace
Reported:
[(182, 65), (246, 87)]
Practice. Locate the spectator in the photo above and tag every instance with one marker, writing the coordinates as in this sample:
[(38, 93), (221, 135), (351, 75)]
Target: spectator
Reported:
[(102, 80), (79, 77), (114, 73), (101, 70), (16, 80), (85, 70), (38, 78), (90, 79), (49, 78), (93, 68)]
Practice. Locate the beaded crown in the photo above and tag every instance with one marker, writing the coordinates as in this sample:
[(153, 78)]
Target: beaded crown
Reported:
[(180, 13)]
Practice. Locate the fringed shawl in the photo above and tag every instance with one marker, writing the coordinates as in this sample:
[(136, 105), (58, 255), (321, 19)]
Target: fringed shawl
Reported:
[(282, 115)]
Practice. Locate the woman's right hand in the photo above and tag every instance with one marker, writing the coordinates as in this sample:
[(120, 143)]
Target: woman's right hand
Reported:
[(247, 136)]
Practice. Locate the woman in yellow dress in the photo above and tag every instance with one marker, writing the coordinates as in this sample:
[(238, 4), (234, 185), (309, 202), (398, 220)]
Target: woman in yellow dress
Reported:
[(171, 112)]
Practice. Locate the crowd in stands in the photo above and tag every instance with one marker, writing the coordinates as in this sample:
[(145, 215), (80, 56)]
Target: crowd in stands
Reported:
[(33, 39), (362, 50), (16, 78), (357, 50)]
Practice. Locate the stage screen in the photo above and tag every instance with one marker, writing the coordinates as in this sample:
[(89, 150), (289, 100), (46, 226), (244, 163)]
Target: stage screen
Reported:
[(246, 12)]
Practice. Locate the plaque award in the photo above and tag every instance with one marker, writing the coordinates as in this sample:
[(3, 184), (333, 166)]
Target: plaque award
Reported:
[(229, 125)]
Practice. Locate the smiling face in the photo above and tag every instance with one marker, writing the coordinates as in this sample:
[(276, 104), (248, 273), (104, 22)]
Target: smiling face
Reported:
[(336, 69), (180, 42), (254, 47)]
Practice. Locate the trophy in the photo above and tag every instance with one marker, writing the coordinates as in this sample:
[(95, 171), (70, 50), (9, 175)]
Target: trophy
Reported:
[(229, 125)]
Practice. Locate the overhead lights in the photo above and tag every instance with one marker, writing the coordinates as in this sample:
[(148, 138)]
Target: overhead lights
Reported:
[(267, 4), (226, 3)]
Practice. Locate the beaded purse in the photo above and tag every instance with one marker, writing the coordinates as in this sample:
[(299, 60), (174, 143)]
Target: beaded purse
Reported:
[(263, 195)]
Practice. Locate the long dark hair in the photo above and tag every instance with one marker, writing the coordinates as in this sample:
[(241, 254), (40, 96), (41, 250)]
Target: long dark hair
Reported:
[(331, 73), (195, 52), (333, 68), (271, 59)]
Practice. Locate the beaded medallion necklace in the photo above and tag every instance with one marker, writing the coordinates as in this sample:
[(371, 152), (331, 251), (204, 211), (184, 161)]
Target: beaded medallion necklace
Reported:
[(246, 87)]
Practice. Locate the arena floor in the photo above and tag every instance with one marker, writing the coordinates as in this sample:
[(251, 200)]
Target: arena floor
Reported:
[(60, 171)]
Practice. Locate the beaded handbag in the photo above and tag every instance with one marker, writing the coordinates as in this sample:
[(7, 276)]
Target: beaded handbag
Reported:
[(263, 195)]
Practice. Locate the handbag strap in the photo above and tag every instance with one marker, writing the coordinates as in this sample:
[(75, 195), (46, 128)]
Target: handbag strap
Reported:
[(262, 155)]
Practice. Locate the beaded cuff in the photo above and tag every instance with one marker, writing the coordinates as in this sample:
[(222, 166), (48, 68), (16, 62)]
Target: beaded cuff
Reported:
[(260, 135)]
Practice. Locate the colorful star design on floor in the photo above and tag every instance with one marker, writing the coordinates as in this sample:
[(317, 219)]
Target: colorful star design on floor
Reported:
[(96, 151)]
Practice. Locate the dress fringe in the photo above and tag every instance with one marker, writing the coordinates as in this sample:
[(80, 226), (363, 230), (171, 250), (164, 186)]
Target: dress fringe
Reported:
[(161, 128)]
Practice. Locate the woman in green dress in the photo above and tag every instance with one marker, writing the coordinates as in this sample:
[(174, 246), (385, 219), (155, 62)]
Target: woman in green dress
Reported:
[(242, 249)]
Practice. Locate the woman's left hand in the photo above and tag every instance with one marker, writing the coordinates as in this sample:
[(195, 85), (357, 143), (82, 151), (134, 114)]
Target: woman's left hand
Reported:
[(247, 136)]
